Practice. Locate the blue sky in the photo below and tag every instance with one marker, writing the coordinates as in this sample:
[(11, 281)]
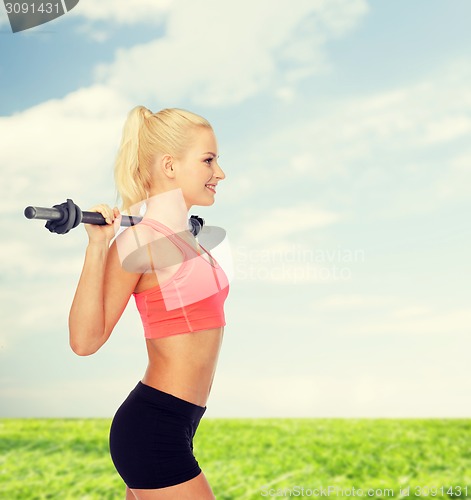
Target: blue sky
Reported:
[(343, 130)]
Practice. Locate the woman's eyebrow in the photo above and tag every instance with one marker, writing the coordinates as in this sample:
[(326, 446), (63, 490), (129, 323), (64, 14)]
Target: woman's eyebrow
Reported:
[(210, 153)]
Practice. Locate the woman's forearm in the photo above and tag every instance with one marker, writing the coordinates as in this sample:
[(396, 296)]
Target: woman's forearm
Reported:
[(87, 315)]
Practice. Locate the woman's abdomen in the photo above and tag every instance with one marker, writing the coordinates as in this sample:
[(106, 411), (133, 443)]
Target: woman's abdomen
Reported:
[(184, 364)]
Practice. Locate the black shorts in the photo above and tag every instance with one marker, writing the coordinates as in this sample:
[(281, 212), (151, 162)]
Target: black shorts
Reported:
[(151, 439)]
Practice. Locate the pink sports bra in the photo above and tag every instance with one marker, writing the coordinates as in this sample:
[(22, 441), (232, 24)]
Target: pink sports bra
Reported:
[(191, 300)]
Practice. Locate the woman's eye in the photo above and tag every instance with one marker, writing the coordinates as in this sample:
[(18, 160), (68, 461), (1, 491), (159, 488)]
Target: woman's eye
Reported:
[(209, 160)]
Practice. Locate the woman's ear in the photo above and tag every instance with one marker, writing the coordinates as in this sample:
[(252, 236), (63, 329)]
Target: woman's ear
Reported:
[(166, 164)]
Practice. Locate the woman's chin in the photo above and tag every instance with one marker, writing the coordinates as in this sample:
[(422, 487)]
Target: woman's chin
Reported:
[(203, 203), (207, 201)]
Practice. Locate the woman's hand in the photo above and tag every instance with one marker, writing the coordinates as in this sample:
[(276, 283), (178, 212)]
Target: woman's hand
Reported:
[(105, 233)]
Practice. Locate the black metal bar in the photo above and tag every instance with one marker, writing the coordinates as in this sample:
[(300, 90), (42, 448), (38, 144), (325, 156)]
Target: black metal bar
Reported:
[(65, 216), (96, 218)]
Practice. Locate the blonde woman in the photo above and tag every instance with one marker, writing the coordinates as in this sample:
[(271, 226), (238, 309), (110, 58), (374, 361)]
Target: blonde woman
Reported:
[(169, 161)]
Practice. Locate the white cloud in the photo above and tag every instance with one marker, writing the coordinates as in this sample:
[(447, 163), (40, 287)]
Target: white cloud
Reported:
[(275, 246), (285, 94), (408, 321), (392, 142), (278, 223), (113, 12), (397, 316), (462, 162), (20, 257), (352, 301), (62, 398), (274, 264), (412, 311), (216, 53), (61, 146), (359, 393), (447, 129), (123, 12)]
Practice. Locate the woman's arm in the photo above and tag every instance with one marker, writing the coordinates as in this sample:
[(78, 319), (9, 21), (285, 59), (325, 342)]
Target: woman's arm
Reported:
[(102, 293)]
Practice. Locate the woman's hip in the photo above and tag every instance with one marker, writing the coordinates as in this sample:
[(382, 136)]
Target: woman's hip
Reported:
[(151, 438)]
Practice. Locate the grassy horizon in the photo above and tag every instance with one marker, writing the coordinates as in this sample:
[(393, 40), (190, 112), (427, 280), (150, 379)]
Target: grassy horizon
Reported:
[(250, 458)]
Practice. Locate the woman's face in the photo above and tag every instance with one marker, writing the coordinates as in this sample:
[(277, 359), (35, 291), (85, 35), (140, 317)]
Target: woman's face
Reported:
[(198, 168)]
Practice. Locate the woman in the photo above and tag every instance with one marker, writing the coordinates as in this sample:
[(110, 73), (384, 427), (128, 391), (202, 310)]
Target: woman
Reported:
[(169, 161)]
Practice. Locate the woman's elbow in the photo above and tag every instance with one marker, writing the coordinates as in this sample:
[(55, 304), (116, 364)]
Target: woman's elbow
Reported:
[(81, 351)]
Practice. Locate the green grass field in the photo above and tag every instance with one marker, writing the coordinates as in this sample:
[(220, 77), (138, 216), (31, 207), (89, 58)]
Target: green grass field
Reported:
[(251, 458)]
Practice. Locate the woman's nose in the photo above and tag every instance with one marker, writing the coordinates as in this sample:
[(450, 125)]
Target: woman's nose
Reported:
[(220, 172)]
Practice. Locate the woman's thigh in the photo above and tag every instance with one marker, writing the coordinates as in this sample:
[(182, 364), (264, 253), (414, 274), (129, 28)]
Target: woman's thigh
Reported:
[(196, 488)]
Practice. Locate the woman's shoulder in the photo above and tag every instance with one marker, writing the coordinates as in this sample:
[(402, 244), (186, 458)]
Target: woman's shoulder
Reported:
[(142, 247)]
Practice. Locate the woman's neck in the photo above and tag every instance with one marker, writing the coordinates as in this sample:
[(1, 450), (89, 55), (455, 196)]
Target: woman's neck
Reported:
[(168, 208)]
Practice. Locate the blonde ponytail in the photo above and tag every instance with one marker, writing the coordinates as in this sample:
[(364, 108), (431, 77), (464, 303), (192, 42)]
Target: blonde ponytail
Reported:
[(144, 135)]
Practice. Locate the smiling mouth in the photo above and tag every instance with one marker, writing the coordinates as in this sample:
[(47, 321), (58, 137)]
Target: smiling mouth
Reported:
[(211, 187)]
